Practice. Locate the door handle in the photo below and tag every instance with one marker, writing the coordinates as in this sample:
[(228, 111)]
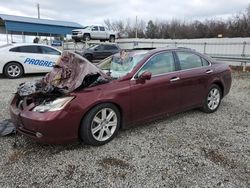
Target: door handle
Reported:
[(209, 71), (174, 79)]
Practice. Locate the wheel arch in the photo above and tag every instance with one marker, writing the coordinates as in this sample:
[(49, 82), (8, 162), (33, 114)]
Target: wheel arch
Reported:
[(220, 84), (103, 102), (86, 34), (14, 62), (90, 54)]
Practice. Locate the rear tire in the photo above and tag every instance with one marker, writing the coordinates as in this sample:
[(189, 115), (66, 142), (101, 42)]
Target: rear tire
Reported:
[(13, 70), (100, 125), (112, 38), (213, 99)]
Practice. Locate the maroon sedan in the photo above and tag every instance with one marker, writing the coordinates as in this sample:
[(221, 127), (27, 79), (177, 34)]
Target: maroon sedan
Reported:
[(143, 86)]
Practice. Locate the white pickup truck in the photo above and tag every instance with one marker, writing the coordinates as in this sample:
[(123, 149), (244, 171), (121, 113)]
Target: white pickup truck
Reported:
[(94, 32)]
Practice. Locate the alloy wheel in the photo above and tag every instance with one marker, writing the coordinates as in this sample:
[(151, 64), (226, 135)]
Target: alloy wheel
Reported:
[(104, 124), (13, 71), (213, 99)]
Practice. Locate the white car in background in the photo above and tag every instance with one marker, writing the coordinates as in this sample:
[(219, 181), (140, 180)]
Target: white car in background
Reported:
[(94, 32), (19, 59)]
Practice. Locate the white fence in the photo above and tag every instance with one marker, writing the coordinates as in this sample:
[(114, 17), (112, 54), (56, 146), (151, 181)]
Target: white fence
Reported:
[(228, 47), (232, 50)]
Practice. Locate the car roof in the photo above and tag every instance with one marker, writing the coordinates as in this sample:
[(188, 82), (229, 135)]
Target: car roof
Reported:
[(183, 49), (13, 45), (157, 50), (133, 53), (107, 44), (29, 44)]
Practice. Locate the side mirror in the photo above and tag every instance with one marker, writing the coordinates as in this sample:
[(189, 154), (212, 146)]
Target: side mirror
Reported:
[(96, 49), (145, 76)]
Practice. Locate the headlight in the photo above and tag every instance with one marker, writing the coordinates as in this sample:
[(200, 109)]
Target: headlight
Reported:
[(52, 106)]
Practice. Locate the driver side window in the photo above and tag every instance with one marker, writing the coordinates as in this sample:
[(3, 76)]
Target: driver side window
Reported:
[(99, 47), (159, 64), (95, 28)]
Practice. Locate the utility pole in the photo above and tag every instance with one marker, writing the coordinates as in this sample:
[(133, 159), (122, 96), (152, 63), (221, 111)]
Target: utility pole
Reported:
[(38, 16), (38, 10), (136, 27)]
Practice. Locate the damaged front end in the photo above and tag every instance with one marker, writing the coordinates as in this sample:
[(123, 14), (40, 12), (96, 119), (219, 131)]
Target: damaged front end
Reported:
[(71, 73), (51, 94)]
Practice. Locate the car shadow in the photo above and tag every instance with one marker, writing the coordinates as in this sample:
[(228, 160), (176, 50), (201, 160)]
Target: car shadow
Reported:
[(25, 76), (25, 142)]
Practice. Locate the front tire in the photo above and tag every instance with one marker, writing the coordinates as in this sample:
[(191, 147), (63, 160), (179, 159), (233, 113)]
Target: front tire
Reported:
[(13, 70), (100, 125), (89, 57), (77, 40), (86, 37), (213, 99)]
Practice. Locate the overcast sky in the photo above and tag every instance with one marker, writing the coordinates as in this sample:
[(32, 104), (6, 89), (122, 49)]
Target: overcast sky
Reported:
[(95, 11)]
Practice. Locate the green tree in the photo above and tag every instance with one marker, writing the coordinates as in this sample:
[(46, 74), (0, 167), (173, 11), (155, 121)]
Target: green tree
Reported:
[(151, 30)]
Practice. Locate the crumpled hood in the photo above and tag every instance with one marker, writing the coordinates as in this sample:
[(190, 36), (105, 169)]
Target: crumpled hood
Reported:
[(70, 72)]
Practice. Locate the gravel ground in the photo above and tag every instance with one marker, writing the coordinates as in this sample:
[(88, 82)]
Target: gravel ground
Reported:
[(191, 149)]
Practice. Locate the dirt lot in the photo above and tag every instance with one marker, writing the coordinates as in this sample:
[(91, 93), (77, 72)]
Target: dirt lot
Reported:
[(191, 149)]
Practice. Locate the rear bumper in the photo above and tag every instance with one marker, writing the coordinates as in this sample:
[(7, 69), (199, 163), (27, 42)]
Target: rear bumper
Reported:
[(227, 77), (49, 127)]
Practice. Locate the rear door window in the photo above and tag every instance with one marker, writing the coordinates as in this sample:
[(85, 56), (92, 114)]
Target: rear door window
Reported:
[(95, 28), (189, 60), (102, 28)]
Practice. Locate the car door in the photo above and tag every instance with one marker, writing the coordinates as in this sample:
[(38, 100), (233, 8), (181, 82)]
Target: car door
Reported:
[(95, 32), (194, 75), (113, 49), (103, 32), (159, 95), (29, 56), (108, 50), (98, 52)]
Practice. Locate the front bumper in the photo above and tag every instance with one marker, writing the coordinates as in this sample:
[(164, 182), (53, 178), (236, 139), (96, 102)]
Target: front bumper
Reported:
[(49, 127), (78, 36)]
